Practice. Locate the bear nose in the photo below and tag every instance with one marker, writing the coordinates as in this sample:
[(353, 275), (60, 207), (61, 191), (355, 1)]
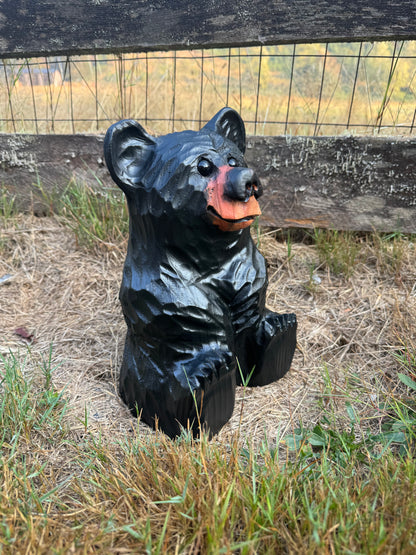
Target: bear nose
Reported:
[(242, 183)]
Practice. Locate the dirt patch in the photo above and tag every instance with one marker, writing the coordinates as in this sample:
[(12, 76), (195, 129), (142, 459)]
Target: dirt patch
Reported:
[(67, 297)]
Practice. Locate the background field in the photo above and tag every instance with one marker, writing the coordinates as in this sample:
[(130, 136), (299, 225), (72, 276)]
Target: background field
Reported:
[(298, 89)]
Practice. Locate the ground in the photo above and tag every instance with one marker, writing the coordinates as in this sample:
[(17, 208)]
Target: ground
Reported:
[(351, 327)]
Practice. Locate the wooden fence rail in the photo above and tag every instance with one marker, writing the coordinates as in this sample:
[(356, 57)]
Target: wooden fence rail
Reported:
[(99, 26), (356, 183), (341, 182)]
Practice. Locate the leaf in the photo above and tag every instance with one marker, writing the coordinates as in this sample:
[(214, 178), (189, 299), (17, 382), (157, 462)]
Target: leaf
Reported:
[(407, 380), (395, 437), (294, 441), (24, 334), (317, 440), (390, 437), (173, 500), (351, 412), (6, 278)]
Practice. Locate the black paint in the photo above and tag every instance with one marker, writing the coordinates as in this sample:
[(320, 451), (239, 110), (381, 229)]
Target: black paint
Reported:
[(194, 284)]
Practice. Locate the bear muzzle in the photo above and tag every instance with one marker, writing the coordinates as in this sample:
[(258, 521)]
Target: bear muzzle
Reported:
[(232, 198)]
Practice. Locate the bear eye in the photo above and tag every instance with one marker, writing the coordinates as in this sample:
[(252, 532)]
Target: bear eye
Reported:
[(205, 167), (232, 162)]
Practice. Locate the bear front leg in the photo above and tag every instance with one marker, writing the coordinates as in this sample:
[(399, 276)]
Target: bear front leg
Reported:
[(196, 391), (266, 351), (205, 386)]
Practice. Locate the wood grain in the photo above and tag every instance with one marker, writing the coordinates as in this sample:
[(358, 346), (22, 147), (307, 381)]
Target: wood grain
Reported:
[(358, 183), (101, 26)]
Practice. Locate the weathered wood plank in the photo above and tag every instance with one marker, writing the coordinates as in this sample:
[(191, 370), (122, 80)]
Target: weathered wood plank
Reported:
[(101, 26), (27, 161), (359, 183)]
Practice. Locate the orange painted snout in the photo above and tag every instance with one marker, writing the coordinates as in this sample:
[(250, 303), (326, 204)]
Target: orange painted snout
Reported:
[(232, 198)]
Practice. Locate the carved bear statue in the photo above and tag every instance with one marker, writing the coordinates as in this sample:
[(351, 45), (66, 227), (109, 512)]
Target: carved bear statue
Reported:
[(194, 284)]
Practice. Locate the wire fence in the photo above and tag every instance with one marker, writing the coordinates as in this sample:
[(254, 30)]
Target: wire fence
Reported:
[(314, 89)]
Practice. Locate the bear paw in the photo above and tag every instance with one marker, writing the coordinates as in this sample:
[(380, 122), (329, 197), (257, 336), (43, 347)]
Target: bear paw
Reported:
[(194, 394), (207, 392), (274, 344)]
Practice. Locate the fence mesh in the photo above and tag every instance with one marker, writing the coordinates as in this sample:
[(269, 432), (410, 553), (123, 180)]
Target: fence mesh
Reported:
[(314, 89)]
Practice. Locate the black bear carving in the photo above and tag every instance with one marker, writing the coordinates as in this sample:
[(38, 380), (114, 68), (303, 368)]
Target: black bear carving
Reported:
[(194, 284)]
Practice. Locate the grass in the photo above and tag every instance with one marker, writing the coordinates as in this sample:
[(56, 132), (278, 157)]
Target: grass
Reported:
[(390, 251), (340, 482), (330, 492), (98, 217), (341, 251), (95, 217), (338, 250), (7, 203), (7, 212)]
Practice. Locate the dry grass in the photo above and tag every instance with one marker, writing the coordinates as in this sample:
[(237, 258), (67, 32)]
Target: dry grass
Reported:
[(85, 477), (67, 297)]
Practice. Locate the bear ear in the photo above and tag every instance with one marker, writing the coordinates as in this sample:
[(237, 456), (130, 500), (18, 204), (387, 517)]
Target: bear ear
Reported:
[(229, 124), (128, 149)]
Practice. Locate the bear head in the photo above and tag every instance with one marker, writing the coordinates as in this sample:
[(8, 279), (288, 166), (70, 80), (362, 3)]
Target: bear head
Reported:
[(191, 176)]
